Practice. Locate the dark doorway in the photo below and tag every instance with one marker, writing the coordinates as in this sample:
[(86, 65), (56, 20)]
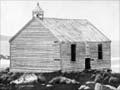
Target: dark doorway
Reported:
[(87, 63), (73, 52), (100, 53)]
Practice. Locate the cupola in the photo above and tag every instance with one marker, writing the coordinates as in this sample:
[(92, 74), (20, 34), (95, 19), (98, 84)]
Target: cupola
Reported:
[(38, 12)]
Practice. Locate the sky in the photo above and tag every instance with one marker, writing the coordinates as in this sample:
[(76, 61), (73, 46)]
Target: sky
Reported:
[(103, 14)]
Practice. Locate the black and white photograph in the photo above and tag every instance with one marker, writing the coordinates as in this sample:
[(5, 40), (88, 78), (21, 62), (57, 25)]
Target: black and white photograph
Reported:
[(60, 45)]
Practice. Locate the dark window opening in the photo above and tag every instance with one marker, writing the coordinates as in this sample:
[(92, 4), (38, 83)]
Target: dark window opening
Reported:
[(87, 63), (100, 51), (73, 52)]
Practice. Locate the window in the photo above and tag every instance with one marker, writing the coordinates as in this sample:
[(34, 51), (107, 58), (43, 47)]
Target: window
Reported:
[(73, 52), (100, 53)]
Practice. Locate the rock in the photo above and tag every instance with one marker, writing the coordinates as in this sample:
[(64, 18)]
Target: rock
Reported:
[(106, 73), (82, 87), (93, 76), (87, 88), (67, 81), (73, 81), (55, 80), (98, 78), (12, 76), (106, 79), (25, 78), (43, 84), (91, 84), (108, 87), (41, 78), (118, 88), (3, 78), (49, 85), (63, 80), (113, 79), (98, 86)]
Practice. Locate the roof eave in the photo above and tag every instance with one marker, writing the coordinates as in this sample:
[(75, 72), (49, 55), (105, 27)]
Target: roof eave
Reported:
[(11, 39)]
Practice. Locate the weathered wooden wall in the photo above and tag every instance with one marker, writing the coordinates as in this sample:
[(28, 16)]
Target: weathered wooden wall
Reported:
[(79, 64), (34, 50), (106, 61), (67, 64)]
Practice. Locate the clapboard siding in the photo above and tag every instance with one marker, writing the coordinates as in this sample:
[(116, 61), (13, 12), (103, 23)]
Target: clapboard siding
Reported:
[(45, 46), (106, 61), (81, 54), (67, 64), (35, 48)]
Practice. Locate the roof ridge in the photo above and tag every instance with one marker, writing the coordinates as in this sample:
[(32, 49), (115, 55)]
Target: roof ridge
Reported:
[(64, 18)]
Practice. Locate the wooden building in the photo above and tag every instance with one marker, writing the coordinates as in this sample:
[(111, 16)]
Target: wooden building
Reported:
[(52, 44)]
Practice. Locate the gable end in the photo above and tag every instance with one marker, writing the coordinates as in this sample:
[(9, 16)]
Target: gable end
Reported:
[(20, 30)]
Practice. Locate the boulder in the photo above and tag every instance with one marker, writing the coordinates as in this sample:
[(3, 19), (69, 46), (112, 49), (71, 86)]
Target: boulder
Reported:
[(98, 78), (87, 88), (118, 88), (73, 81), (113, 79), (108, 87), (41, 78), (93, 76), (49, 85), (55, 80), (63, 80), (106, 79), (98, 86), (12, 76), (91, 84), (25, 78), (84, 87), (3, 78)]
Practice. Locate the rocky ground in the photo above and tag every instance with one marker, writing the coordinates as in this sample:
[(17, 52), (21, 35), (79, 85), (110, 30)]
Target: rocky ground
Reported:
[(85, 80)]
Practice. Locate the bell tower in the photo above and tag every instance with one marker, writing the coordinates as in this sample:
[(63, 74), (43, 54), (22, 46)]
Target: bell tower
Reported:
[(38, 12)]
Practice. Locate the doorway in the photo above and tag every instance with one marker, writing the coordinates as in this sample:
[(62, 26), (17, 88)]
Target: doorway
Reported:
[(87, 63)]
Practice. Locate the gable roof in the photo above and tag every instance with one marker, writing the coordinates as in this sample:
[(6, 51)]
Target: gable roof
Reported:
[(72, 30)]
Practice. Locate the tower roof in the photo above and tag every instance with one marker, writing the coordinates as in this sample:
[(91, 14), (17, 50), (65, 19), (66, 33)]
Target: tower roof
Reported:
[(37, 8), (38, 12)]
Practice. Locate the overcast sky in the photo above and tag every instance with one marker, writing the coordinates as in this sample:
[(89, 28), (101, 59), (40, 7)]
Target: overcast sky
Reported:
[(103, 14)]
